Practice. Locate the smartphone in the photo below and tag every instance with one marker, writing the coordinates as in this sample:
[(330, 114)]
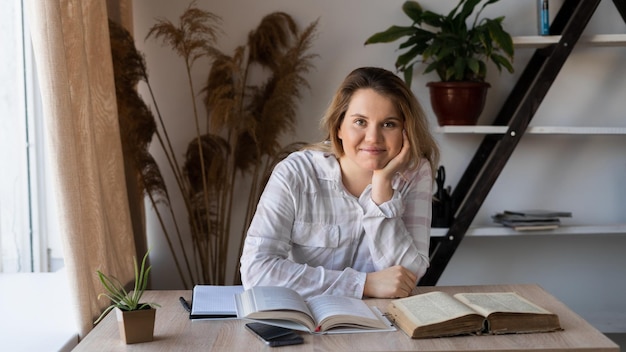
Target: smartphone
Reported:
[(274, 335)]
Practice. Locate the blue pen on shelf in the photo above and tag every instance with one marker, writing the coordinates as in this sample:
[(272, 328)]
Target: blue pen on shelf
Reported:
[(543, 17)]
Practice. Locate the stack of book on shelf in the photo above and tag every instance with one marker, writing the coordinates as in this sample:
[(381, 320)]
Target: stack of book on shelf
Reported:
[(531, 220)]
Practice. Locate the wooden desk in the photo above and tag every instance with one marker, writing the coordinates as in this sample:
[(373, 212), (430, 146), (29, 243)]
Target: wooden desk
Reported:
[(175, 332)]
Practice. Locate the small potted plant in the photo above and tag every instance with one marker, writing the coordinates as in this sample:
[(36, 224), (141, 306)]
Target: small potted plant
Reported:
[(457, 50), (135, 318)]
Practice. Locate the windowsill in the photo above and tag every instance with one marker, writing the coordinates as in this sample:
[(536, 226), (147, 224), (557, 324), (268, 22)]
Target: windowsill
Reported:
[(36, 312)]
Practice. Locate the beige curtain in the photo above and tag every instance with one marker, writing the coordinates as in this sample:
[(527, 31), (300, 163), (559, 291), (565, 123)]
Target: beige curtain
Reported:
[(71, 45), (121, 11)]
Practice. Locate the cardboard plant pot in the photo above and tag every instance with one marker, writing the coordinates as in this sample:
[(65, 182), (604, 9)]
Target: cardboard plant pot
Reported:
[(136, 326)]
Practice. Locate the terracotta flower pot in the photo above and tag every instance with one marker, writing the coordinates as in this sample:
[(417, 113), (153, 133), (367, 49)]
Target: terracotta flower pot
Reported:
[(457, 103), (137, 325)]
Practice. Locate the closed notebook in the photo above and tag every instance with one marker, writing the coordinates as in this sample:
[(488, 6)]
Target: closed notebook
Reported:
[(213, 301)]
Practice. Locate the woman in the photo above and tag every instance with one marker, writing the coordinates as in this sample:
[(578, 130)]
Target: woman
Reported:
[(350, 216)]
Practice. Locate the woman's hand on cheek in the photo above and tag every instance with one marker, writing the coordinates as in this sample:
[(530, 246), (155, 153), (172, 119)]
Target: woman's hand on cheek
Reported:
[(399, 162), (381, 179)]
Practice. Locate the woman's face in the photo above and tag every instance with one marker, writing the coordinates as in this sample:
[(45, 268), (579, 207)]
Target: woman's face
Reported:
[(371, 131)]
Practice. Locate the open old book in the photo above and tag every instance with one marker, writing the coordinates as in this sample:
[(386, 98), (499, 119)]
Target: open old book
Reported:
[(282, 306), (437, 314)]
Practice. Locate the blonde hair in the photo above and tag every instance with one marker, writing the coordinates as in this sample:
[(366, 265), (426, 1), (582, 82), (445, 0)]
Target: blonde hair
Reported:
[(388, 84)]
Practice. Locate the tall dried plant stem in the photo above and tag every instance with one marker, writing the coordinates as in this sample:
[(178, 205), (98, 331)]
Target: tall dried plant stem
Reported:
[(169, 241), (200, 149), (250, 208), (228, 205), (166, 145), (193, 38)]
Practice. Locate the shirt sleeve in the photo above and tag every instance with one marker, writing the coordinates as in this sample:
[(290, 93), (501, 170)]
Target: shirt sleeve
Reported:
[(398, 231), (265, 257)]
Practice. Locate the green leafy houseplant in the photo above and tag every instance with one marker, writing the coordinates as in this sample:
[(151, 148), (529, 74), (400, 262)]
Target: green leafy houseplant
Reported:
[(122, 299), (453, 49), (457, 50)]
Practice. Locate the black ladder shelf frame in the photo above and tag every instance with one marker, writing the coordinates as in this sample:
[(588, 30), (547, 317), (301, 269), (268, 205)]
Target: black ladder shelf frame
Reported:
[(516, 113)]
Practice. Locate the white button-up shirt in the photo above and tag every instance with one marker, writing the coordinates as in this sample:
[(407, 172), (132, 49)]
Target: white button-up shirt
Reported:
[(309, 233)]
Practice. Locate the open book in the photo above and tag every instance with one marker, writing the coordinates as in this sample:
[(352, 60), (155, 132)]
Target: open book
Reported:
[(436, 314), (282, 306)]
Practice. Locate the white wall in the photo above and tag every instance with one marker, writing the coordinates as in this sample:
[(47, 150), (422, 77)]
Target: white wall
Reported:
[(581, 174)]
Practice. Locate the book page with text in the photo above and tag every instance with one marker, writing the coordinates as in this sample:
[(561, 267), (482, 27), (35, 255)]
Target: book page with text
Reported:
[(266, 298), (432, 307), (490, 302), (324, 307)]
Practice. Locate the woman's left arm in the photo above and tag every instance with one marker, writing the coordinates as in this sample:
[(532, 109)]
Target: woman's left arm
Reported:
[(398, 230)]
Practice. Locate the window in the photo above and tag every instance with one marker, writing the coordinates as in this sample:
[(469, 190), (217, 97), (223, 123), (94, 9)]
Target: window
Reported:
[(28, 237)]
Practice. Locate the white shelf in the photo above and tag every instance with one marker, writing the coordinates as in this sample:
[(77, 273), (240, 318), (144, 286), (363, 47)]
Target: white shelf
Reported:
[(619, 229), (538, 41), (487, 129)]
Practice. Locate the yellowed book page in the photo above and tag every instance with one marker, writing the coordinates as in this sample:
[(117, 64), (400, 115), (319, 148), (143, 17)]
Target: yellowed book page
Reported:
[(490, 302), (267, 298), (273, 302), (433, 307), (348, 311)]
